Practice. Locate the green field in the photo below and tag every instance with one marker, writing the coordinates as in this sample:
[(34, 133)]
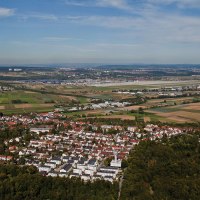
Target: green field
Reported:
[(20, 101), (26, 110)]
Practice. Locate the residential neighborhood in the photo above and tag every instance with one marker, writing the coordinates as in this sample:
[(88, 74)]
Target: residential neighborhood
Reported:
[(67, 149)]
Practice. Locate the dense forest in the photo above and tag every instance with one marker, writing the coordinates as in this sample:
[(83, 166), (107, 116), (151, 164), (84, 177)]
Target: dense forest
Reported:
[(18, 183), (167, 170)]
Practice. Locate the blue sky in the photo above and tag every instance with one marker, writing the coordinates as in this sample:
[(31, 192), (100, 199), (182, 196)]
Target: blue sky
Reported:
[(99, 31)]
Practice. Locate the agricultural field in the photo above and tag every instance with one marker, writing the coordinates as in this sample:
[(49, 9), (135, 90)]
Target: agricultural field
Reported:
[(42, 97), (179, 113), (19, 101), (115, 114)]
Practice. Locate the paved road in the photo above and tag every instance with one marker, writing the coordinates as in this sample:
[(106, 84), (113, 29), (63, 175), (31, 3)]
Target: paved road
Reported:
[(120, 186)]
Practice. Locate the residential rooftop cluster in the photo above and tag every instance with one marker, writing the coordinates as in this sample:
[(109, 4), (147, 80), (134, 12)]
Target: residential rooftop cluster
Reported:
[(103, 105), (76, 151), (30, 119)]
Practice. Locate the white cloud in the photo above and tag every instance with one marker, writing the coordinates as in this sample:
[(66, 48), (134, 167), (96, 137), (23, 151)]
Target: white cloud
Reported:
[(107, 21), (179, 3), (76, 3), (59, 39), (149, 26), (119, 45), (46, 17), (148, 23), (6, 12), (119, 4)]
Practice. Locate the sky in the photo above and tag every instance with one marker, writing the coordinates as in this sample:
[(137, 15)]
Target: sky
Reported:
[(99, 31)]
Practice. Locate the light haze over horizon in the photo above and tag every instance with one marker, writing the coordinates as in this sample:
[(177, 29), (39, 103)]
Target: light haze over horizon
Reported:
[(99, 31)]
